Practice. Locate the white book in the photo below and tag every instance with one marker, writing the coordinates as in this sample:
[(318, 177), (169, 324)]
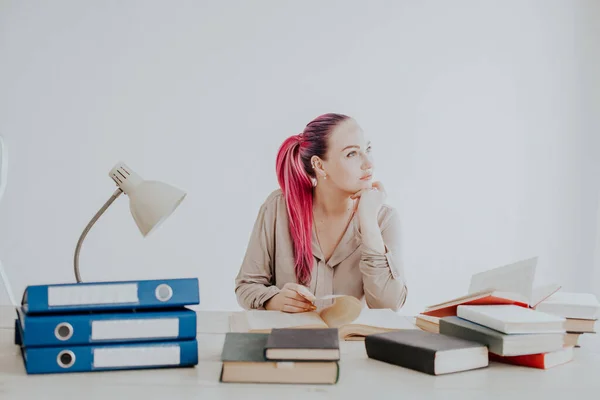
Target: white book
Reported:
[(571, 305), (511, 319)]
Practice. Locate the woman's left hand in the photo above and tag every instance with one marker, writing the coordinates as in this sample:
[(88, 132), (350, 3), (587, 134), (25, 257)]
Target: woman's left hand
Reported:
[(370, 200)]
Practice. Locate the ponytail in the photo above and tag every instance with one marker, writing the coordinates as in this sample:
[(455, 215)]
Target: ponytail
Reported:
[(296, 186), (293, 165)]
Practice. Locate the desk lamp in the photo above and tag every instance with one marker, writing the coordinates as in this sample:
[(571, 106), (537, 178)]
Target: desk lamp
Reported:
[(150, 202)]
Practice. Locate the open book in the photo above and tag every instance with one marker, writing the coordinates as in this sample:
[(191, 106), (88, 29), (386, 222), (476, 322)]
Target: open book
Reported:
[(508, 284), (347, 314)]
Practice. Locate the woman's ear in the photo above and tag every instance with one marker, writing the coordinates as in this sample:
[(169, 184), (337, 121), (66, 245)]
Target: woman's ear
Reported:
[(317, 166)]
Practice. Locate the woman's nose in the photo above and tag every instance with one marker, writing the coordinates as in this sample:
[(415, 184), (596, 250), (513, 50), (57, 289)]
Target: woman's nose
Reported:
[(367, 163)]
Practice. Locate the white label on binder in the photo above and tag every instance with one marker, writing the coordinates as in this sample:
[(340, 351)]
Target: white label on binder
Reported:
[(92, 294), (136, 356), (135, 328)]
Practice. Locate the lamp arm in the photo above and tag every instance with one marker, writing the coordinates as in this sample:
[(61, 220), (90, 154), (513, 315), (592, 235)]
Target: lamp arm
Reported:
[(114, 196)]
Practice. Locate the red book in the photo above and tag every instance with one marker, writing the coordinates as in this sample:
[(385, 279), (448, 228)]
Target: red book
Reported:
[(541, 361)]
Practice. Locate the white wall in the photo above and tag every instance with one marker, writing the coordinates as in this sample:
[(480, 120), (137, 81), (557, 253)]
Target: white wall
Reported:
[(592, 161), (479, 113)]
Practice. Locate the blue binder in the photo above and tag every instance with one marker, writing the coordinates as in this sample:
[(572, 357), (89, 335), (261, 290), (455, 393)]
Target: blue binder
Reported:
[(51, 360), (106, 327), (108, 296), (107, 357)]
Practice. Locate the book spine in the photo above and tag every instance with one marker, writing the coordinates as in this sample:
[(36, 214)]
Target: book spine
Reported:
[(111, 295), (416, 358), (57, 359), (70, 329)]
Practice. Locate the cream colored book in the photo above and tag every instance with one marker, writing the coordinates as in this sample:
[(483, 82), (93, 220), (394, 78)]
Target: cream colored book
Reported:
[(428, 323), (347, 314)]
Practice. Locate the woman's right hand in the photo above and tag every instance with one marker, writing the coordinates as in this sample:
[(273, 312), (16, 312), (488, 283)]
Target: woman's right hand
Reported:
[(292, 298)]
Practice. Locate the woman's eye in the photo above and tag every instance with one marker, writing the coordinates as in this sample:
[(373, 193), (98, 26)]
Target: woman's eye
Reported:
[(369, 149), (351, 154)]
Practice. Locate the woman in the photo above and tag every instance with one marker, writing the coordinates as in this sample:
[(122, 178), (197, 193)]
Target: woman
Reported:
[(326, 231)]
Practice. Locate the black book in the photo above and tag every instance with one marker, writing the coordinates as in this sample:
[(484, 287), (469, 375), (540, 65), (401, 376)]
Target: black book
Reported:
[(426, 352), (303, 344), (243, 361)]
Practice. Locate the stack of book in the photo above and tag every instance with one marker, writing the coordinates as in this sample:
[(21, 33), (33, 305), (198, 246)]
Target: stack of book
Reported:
[(307, 356), (580, 310), (504, 297), (513, 334), (101, 326)]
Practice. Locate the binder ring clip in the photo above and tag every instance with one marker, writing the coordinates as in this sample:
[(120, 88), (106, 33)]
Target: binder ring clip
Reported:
[(65, 358), (163, 292), (63, 331)]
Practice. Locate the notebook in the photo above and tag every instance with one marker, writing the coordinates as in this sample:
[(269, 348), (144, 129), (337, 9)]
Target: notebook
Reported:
[(347, 314)]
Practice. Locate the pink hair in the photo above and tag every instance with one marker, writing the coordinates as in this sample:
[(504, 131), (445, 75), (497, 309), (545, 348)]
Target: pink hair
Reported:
[(294, 173)]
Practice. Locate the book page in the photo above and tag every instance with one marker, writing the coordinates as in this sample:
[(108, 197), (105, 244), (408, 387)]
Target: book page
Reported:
[(516, 277), (268, 319), (573, 298), (326, 301), (384, 318), (344, 310), (541, 293)]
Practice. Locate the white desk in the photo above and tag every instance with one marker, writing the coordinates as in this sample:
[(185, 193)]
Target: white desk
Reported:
[(359, 378)]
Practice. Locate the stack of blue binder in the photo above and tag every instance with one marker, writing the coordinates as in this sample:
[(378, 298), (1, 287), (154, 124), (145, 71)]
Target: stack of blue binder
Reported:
[(99, 326)]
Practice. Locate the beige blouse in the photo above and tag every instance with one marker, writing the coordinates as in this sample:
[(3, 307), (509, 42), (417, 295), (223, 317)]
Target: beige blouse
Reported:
[(353, 269)]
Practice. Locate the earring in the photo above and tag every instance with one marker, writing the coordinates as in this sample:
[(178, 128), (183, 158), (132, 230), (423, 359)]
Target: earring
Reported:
[(325, 177)]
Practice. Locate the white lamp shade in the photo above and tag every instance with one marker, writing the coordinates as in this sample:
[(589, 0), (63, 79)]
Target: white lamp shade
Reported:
[(152, 202)]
